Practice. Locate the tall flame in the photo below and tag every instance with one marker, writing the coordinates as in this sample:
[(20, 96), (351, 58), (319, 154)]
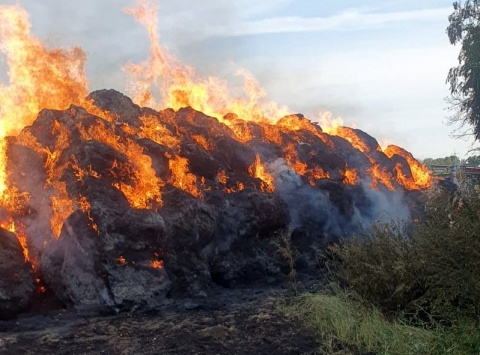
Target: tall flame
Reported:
[(38, 78), (162, 77)]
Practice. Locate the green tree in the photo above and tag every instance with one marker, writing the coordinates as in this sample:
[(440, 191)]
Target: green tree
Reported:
[(451, 160), (474, 160), (464, 79)]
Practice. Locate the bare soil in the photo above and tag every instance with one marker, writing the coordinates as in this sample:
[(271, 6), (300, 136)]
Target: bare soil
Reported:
[(234, 322)]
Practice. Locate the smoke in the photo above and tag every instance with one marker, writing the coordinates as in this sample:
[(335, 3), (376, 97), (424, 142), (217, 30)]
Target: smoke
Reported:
[(336, 210)]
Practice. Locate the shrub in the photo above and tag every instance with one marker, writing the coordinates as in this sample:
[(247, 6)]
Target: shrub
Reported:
[(378, 267), (433, 269)]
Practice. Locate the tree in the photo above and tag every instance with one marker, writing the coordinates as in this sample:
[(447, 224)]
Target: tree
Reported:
[(464, 80), (451, 160), (473, 160)]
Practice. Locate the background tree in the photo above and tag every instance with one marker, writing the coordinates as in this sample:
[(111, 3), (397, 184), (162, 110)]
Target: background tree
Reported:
[(451, 160), (473, 160), (464, 80)]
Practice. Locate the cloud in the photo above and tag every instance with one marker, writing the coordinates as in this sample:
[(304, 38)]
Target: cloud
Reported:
[(349, 20)]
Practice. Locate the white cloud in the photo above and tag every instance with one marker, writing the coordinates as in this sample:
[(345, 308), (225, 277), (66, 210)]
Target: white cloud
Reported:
[(350, 20)]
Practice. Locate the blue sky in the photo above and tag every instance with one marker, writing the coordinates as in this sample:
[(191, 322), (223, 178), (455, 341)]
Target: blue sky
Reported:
[(379, 64)]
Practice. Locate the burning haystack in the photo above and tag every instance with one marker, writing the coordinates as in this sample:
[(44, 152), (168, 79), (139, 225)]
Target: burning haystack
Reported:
[(119, 205)]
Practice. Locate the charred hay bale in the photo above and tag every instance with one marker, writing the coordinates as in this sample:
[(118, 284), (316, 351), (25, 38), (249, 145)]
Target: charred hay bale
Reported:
[(25, 166), (261, 266), (95, 157), (191, 122), (118, 104), (320, 155), (235, 155), (201, 162), (52, 127), (191, 222), (17, 283), (248, 214), (121, 267), (243, 252)]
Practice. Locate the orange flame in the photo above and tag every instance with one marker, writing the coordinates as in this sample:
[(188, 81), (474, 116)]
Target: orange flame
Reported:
[(21, 236), (422, 178), (163, 77), (157, 264), (121, 260), (182, 177), (143, 188), (380, 175), (38, 77), (350, 177), (259, 171)]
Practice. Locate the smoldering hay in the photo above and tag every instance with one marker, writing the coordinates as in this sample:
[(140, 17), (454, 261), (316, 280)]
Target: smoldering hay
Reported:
[(117, 204)]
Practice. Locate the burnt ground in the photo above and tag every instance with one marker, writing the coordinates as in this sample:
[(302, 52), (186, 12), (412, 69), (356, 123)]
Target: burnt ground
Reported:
[(235, 322)]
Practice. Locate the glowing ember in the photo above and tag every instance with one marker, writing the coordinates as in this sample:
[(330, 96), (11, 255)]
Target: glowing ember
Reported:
[(156, 264)]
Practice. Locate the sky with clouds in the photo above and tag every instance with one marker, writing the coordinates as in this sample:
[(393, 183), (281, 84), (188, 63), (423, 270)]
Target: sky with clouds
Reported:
[(378, 64)]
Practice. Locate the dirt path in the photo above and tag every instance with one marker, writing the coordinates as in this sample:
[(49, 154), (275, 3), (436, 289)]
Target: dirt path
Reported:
[(236, 322)]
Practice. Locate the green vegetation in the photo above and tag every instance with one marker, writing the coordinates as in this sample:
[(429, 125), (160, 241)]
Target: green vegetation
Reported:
[(451, 160), (345, 324), (464, 79), (412, 290), (473, 160)]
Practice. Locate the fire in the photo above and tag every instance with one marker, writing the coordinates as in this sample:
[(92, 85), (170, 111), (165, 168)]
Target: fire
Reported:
[(291, 157), (317, 173), (223, 180), (201, 141), (259, 171), (22, 238), (138, 182), (222, 177), (350, 176), (420, 174), (121, 260), (162, 77), (38, 77), (157, 264), (329, 124), (84, 206), (380, 175), (153, 129), (182, 177), (43, 78), (349, 135)]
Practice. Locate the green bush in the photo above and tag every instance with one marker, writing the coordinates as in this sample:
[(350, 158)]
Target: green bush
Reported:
[(378, 267), (431, 270)]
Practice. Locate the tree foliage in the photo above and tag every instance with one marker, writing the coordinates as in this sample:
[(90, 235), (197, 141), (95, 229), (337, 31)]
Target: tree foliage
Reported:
[(451, 160), (464, 79)]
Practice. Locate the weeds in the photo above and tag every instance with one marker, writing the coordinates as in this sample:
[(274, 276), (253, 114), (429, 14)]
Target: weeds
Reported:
[(406, 291)]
